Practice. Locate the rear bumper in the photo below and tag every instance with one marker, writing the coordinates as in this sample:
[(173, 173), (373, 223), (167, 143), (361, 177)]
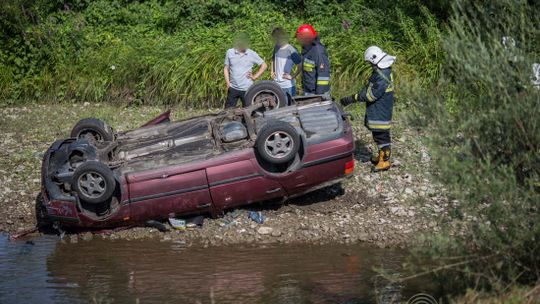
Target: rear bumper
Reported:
[(57, 206)]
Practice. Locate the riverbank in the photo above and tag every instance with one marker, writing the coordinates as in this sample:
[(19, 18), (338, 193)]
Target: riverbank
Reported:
[(387, 209)]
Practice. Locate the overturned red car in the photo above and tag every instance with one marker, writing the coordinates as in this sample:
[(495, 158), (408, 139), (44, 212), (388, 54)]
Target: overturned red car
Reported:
[(99, 178)]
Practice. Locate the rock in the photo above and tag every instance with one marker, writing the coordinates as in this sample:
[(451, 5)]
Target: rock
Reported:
[(87, 236), (276, 233), (265, 230), (363, 237), (394, 210), (407, 178), (409, 191), (402, 212), (425, 156)]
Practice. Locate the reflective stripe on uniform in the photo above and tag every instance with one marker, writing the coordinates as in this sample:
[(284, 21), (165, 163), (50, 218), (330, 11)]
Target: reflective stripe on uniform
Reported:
[(369, 94), (381, 127), (379, 124), (390, 87), (308, 65), (323, 80)]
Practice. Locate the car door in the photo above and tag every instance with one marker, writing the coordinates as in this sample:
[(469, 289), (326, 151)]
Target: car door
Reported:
[(240, 183), (160, 193)]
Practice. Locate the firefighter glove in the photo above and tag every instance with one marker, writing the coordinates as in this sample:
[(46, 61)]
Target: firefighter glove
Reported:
[(345, 101)]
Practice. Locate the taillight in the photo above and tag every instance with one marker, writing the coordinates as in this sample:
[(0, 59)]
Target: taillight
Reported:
[(349, 167)]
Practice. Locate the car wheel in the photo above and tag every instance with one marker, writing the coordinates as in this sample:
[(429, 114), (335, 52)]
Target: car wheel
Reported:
[(93, 182), (278, 142), (266, 90), (93, 129)]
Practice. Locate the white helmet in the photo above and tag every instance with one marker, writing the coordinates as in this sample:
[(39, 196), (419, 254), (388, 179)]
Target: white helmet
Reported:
[(377, 57)]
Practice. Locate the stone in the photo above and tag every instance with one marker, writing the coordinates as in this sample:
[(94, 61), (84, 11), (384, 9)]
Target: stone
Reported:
[(265, 230), (276, 233), (394, 210), (87, 236)]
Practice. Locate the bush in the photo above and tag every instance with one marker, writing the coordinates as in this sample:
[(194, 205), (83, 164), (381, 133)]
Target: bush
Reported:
[(488, 142), (172, 52)]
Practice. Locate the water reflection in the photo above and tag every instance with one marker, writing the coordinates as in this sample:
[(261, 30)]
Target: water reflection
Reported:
[(151, 271)]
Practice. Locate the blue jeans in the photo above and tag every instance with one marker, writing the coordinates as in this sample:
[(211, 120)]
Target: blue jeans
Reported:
[(290, 92)]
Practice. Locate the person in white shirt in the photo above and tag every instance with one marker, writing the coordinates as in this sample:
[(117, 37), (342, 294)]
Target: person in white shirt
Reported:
[(284, 58), (239, 62)]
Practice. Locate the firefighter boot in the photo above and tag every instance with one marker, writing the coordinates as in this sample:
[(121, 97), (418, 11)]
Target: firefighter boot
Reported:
[(375, 158), (384, 160)]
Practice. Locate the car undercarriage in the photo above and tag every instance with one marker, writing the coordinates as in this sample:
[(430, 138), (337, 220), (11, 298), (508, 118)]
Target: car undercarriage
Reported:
[(99, 173)]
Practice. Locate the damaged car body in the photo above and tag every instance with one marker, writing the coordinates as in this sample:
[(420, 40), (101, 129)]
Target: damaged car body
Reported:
[(99, 178)]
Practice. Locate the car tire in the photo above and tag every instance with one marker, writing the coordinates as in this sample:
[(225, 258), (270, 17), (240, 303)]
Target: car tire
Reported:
[(93, 182), (266, 88), (93, 129), (278, 142)]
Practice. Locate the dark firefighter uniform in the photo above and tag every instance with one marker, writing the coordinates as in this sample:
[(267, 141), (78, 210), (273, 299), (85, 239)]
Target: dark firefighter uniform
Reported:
[(378, 95), (315, 69)]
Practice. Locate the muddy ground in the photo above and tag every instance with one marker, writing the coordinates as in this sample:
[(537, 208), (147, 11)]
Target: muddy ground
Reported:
[(388, 208)]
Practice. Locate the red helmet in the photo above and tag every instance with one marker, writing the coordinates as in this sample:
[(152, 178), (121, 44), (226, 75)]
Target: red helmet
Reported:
[(306, 30)]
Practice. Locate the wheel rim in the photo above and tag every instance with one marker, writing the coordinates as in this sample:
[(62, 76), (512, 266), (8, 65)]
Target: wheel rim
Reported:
[(267, 95), (91, 135), (279, 144), (92, 184)]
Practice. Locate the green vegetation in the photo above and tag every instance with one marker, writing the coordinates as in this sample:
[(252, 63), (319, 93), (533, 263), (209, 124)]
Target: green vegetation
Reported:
[(155, 52), (454, 75), (487, 145)]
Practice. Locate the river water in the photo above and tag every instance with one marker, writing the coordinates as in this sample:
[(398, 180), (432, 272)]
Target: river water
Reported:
[(46, 270)]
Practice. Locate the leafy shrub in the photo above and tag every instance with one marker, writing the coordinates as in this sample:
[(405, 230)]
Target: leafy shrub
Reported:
[(172, 52), (488, 142)]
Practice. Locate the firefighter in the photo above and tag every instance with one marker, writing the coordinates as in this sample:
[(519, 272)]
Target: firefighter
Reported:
[(315, 63), (378, 95)]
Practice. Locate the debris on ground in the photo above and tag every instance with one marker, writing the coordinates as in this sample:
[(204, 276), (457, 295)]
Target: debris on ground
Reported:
[(178, 224), (158, 225), (257, 217), (195, 222), (22, 233)]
